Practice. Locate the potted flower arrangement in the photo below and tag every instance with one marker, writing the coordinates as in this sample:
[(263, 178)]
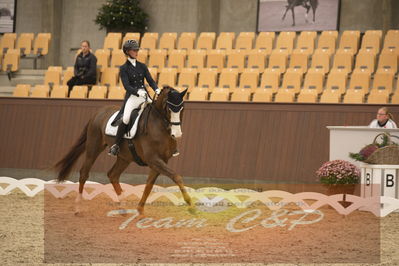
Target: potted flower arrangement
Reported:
[(122, 16), (339, 176)]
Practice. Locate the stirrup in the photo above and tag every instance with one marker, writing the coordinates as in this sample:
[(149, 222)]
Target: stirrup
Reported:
[(114, 150)]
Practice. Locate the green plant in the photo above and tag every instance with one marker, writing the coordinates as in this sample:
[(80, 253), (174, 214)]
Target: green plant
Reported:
[(122, 14), (338, 172)]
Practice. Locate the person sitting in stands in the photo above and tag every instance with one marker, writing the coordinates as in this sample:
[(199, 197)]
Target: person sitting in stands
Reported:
[(85, 69)]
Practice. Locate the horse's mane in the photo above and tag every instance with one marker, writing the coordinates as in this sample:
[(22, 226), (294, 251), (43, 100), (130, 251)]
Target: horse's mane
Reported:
[(159, 103)]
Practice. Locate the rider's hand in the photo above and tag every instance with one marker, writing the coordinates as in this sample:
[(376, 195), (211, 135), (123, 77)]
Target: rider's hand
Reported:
[(158, 91), (142, 93)]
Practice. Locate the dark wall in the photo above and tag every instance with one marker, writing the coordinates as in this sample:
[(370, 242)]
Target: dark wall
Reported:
[(249, 141)]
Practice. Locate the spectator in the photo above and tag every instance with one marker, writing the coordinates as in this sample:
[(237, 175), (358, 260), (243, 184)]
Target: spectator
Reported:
[(85, 69)]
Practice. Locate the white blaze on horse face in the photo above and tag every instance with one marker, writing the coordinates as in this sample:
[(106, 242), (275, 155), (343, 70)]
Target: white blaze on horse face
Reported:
[(175, 118)]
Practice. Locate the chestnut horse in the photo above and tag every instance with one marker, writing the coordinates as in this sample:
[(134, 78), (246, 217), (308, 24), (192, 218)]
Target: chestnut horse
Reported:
[(154, 143)]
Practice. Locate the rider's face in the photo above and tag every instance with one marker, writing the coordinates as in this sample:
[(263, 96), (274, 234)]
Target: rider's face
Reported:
[(133, 53)]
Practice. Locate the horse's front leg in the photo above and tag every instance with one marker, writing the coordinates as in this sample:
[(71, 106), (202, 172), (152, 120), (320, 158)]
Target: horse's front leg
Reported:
[(161, 167), (152, 177), (293, 16), (285, 13)]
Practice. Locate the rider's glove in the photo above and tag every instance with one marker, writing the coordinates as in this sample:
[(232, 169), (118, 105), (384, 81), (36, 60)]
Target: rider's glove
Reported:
[(158, 91), (142, 93)]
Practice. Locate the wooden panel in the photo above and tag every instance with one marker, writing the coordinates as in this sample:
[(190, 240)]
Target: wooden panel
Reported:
[(248, 141)]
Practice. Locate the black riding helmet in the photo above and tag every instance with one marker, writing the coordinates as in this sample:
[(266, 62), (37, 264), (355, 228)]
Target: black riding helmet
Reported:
[(130, 45)]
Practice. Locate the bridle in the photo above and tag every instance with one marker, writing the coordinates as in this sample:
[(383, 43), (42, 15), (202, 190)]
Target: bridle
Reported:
[(163, 116)]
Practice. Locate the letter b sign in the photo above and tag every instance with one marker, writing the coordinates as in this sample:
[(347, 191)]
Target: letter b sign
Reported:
[(389, 180)]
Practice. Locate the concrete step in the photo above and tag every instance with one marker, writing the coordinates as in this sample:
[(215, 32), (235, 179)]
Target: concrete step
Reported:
[(32, 80), (6, 91)]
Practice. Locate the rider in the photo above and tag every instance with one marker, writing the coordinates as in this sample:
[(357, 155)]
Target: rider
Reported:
[(132, 74)]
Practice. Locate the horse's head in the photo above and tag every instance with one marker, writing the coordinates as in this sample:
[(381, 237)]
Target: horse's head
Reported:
[(172, 103)]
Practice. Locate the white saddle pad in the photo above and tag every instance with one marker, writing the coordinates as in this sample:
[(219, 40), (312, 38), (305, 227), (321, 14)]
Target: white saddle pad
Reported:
[(111, 130)]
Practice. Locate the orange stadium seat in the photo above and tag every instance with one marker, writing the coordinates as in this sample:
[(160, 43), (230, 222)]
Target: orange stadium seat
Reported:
[(41, 44), (198, 94), (186, 41), (314, 81), (306, 42), (321, 62), (149, 41), (157, 59), (79, 92), (196, 59), (52, 77), (270, 80), (278, 61), (98, 92), (241, 95), (220, 94), (228, 79), (224, 42), (257, 59), (236, 59), (118, 58), (24, 43), (206, 40), (40, 91), (264, 42), (245, 40), (67, 75), (249, 79), (21, 90), (59, 91), (336, 81), (207, 78), (116, 92), (177, 58), (216, 59), (109, 77), (188, 78), (299, 61), (11, 60), (168, 41), (112, 41), (103, 56), (7, 42), (262, 95), (167, 77), (292, 81)]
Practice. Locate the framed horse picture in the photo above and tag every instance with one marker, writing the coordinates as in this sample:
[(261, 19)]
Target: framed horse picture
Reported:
[(298, 15), (7, 15)]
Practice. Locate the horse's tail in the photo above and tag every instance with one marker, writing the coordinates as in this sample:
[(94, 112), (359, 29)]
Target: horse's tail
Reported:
[(65, 165)]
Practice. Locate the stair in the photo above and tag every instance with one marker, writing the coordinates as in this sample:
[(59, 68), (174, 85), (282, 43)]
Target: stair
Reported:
[(23, 76)]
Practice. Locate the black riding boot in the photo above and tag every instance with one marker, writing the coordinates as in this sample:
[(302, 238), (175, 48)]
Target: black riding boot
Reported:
[(114, 150)]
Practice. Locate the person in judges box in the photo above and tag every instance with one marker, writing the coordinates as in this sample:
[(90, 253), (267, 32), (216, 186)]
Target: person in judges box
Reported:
[(384, 119)]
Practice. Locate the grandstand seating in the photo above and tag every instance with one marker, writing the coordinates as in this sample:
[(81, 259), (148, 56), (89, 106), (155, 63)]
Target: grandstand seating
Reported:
[(304, 67)]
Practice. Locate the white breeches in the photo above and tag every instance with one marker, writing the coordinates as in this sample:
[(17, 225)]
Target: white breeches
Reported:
[(132, 103)]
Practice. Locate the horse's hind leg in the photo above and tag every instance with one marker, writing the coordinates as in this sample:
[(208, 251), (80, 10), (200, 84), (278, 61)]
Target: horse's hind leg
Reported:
[(307, 13), (162, 168), (93, 150), (152, 177), (115, 173)]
